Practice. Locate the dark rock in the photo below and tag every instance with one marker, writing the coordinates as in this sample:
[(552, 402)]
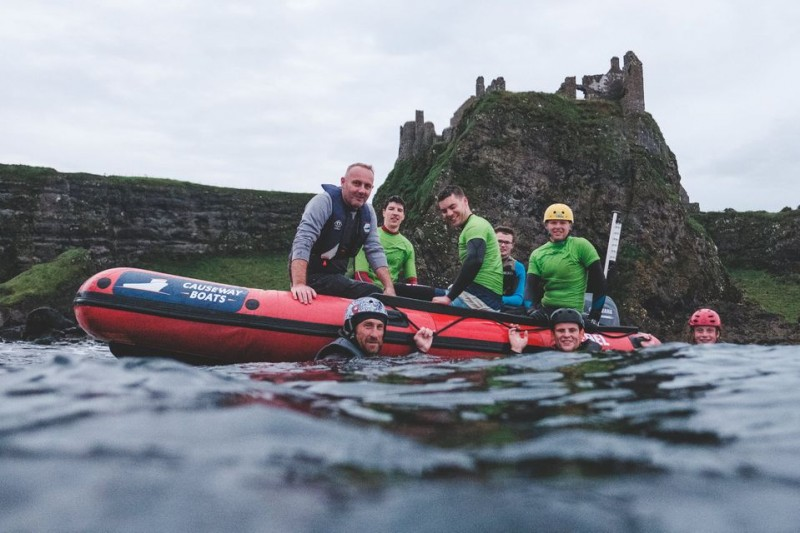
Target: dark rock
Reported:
[(43, 322), (11, 333)]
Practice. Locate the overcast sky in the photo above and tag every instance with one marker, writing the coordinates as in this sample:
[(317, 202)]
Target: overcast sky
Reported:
[(282, 95)]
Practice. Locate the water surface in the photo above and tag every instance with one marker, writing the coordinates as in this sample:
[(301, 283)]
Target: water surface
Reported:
[(674, 438)]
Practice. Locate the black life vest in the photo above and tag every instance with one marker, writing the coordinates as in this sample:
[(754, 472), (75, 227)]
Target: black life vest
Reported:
[(340, 348), (341, 237), (510, 280)]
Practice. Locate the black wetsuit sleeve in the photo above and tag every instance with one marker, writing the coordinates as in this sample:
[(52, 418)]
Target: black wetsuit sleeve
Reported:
[(534, 290), (476, 250), (597, 286)]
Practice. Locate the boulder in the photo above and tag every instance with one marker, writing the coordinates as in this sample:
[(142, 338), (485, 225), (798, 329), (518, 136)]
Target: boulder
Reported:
[(47, 322)]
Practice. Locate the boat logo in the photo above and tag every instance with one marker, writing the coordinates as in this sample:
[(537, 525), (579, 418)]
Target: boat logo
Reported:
[(337, 225), (218, 294), (596, 337), (154, 285)]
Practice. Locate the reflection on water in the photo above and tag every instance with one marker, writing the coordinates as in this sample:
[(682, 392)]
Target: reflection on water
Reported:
[(673, 438)]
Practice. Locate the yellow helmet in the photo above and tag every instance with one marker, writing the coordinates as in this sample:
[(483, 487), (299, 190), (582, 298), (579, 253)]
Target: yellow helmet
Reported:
[(558, 212)]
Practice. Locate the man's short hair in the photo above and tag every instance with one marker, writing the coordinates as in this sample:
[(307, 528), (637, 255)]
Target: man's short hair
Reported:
[(362, 165), (394, 200), (505, 229), (453, 190)]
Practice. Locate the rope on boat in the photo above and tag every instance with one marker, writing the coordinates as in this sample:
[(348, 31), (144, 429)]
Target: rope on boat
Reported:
[(461, 319)]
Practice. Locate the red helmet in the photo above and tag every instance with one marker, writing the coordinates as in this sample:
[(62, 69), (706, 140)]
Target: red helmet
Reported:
[(705, 317)]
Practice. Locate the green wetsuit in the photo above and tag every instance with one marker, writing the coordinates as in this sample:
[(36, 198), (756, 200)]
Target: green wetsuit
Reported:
[(490, 274), (399, 254), (562, 268)]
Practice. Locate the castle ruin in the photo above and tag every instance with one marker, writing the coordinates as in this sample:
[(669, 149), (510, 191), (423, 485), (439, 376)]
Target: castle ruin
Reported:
[(625, 85)]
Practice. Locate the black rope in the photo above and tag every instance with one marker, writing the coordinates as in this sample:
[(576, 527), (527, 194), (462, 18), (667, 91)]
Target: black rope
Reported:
[(461, 319)]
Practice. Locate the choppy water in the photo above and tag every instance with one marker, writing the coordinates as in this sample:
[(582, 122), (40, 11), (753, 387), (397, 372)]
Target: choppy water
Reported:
[(675, 438)]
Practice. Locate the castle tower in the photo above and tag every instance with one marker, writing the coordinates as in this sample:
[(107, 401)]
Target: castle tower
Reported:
[(633, 85), (416, 137), (568, 89)]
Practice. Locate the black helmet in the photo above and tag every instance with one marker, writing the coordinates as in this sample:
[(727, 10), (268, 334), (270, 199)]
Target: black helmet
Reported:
[(566, 315)]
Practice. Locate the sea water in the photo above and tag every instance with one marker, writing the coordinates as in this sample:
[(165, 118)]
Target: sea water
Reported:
[(674, 438)]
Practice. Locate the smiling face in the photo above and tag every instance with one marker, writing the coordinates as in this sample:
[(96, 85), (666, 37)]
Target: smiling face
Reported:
[(705, 334), (558, 229), (455, 210), (357, 186), (567, 336), (393, 215), (369, 336)]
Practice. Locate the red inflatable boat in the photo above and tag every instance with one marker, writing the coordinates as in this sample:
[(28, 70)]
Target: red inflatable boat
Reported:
[(150, 314)]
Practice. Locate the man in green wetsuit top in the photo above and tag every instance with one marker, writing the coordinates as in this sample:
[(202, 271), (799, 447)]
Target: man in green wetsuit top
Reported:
[(479, 284), (399, 250), (561, 271)]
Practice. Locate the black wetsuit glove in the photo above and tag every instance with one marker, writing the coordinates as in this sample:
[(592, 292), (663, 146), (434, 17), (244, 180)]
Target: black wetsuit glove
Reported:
[(539, 315)]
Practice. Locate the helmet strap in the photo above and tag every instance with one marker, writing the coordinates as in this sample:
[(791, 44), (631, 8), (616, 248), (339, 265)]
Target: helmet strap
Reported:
[(348, 331)]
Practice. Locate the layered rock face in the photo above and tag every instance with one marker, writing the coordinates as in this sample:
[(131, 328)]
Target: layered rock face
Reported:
[(43, 212), (516, 153)]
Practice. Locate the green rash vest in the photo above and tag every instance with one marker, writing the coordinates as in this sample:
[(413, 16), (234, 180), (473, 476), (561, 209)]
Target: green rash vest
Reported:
[(491, 273), (399, 254), (562, 268)]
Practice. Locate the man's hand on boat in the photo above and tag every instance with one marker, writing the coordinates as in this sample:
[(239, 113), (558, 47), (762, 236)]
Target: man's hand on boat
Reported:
[(389, 291), (645, 340), (423, 339), (303, 293), (517, 338)]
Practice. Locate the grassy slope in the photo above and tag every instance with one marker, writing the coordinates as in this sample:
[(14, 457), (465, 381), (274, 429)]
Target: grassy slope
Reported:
[(263, 271), (51, 284), (41, 282), (777, 295)]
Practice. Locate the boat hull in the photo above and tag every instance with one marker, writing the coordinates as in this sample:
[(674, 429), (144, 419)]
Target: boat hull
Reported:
[(145, 313)]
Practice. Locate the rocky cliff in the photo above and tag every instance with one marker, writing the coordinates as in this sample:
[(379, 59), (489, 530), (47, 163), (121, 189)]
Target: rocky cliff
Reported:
[(756, 239), (120, 220), (516, 153)]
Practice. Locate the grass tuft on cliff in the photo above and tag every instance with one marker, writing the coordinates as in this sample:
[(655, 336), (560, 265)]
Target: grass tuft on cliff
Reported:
[(42, 283)]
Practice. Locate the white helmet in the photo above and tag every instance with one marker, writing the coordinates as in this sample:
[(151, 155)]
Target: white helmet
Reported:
[(361, 309)]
